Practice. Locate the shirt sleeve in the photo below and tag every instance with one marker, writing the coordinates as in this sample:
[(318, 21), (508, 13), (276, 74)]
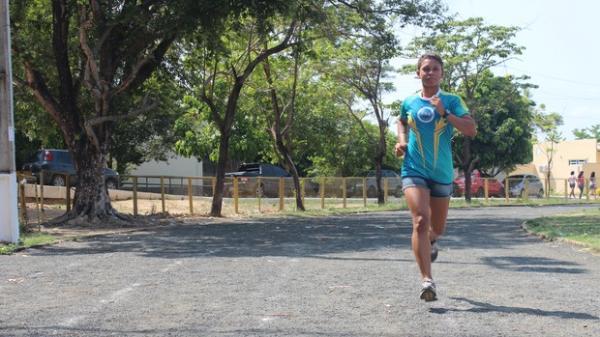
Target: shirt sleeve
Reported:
[(404, 110)]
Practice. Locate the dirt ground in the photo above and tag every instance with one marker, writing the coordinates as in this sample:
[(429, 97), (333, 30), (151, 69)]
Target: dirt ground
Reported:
[(149, 216)]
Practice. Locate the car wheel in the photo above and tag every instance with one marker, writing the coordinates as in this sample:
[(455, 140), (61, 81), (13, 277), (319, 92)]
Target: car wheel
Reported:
[(540, 193), (58, 180), (479, 193), (111, 184)]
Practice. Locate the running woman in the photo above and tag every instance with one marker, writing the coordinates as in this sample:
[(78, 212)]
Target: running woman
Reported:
[(425, 128)]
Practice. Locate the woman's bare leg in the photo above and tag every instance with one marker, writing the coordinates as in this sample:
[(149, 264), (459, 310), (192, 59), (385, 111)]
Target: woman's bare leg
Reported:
[(439, 214), (418, 200)]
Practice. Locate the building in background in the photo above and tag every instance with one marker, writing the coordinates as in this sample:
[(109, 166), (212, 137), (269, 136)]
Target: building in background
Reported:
[(567, 156)]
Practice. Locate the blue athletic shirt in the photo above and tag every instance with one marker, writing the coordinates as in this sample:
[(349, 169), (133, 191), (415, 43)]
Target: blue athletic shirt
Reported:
[(429, 154)]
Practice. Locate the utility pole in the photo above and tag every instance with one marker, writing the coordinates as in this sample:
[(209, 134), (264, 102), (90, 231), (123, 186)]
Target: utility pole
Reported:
[(9, 223)]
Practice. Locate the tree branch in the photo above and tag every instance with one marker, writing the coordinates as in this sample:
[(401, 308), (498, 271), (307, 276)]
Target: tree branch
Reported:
[(261, 57), (145, 66), (92, 74), (60, 37), (92, 122)]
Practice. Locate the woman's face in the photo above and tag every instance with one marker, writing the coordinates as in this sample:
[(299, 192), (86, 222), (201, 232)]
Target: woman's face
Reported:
[(430, 73)]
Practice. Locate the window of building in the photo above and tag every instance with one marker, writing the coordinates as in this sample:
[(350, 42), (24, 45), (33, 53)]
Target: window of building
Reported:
[(576, 162)]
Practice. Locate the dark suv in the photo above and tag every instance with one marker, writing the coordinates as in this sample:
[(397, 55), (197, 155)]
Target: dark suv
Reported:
[(249, 184), (57, 164)]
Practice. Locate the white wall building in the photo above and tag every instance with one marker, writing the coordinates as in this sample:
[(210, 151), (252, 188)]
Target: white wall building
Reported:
[(176, 166)]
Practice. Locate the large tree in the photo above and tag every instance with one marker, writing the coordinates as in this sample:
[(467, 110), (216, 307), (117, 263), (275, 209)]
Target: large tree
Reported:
[(469, 48), (505, 116), (365, 72), (218, 72), (362, 62), (78, 58)]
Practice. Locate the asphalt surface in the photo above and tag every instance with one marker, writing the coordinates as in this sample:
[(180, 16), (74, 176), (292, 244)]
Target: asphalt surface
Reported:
[(339, 276)]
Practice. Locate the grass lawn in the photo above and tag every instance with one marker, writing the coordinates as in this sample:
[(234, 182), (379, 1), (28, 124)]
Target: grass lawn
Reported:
[(27, 240), (582, 227)]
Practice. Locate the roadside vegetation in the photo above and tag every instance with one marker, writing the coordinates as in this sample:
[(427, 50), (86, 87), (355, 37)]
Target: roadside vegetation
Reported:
[(581, 227), (28, 240)]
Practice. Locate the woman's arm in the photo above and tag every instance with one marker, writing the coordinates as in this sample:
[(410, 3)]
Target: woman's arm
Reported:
[(401, 145), (465, 124)]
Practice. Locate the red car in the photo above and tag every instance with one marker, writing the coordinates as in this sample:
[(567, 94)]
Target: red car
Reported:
[(495, 187)]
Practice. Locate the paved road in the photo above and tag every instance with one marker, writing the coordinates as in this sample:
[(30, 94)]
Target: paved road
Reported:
[(340, 276)]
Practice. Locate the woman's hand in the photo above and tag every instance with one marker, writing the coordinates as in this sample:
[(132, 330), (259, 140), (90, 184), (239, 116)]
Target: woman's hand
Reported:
[(400, 149), (439, 106)]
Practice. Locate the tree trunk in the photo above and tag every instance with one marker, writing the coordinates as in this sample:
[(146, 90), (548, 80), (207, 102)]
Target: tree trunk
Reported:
[(380, 199), (217, 201), (92, 202), (276, 129), (283, 150), (379, 163)]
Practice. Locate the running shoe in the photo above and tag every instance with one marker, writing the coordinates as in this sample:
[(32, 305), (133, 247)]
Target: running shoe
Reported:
[(428, 291)]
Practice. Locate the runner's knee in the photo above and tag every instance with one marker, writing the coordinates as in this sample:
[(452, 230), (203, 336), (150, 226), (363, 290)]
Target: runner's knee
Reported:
[(421, 224)]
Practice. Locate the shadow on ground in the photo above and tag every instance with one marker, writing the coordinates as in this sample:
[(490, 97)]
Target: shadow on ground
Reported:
[(482, 307), (316, 238), (532, 264)]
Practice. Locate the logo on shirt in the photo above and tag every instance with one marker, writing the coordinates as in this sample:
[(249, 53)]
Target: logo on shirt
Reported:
[(425, 114)]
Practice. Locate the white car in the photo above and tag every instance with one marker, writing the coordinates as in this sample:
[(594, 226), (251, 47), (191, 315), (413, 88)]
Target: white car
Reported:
[(517, 184)]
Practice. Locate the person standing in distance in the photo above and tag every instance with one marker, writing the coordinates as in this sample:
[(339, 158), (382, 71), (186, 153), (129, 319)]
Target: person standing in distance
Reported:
[(580, 183), (425, 129), (572, 182), (593, 185)]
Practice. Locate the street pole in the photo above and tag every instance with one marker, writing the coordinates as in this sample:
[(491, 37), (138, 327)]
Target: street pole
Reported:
[(9, 223)]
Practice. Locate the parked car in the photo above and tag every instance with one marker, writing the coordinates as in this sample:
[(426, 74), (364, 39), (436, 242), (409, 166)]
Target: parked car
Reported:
[(495, 187), (56, 165), (249, 185), (394, 183), (517, 184)]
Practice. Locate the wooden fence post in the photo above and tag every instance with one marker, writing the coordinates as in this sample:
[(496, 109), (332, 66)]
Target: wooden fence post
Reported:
[(281, 194), (385, 190), (162, 193), (344, 192), (322, 190), (23, 213), (364, 190), (485, 189), (236, 195), (68, 186), (135, 201), (190, 195), (42, 195), (259, 194)]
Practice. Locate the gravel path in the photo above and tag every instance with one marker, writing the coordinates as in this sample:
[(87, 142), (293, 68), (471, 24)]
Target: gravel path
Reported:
[(337, 276)]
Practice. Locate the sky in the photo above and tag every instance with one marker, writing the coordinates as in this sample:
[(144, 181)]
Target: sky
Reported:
[(562, 53)]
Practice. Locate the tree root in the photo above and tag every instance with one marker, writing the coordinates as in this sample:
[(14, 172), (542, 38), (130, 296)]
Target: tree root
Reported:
[(73, 219)]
